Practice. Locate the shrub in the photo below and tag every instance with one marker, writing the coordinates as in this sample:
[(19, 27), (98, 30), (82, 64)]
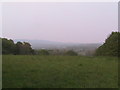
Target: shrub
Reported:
[(43, 52), (71, 53)]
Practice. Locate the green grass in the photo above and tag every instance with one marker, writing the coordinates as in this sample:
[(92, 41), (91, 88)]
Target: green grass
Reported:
[(22, 71)]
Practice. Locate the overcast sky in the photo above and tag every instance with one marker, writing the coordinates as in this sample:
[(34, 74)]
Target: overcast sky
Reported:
[(64, 22)]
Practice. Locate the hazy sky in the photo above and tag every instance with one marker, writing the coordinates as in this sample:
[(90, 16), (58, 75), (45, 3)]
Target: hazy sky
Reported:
[(65, 22)]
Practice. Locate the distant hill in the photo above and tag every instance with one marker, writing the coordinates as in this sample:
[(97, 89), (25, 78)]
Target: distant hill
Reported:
[(38, 44)]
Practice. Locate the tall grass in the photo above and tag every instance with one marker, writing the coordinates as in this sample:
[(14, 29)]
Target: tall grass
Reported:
[(25, 71)]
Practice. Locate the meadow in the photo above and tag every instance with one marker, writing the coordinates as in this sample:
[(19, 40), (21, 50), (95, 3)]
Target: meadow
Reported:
[(27, 71)]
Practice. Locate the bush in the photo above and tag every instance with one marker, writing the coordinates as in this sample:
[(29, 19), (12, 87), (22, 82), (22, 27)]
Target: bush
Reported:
[(43, 52), (71, 53)]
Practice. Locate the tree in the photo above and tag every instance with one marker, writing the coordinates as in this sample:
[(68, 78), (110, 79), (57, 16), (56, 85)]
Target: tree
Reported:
[(8, 46), (43, 52), (71, 53), (110, 47), (19, 48), (24, 48), (0, 46), (27, 48)]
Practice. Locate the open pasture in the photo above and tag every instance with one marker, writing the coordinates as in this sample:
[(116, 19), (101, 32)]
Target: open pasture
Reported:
[(27, 71)]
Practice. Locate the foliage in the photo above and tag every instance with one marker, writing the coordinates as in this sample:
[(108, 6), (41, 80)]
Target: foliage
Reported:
[(43, 52), (71, 53), (9, 47), (0, 46), (110, 47)]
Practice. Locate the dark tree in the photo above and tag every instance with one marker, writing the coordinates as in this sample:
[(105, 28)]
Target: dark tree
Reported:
[(19, 48), (43, 52), (111, 46), (71, 53), (27, 48), (8, 46), (24, 48)]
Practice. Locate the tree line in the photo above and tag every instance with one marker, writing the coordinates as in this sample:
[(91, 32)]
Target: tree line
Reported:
[(111, 47), (24, 48), (21, 48)]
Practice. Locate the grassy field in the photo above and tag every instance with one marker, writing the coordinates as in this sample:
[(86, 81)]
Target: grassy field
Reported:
[(20, 71)]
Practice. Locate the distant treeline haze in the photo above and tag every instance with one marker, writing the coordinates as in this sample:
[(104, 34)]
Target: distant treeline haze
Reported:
[(111, 47)]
